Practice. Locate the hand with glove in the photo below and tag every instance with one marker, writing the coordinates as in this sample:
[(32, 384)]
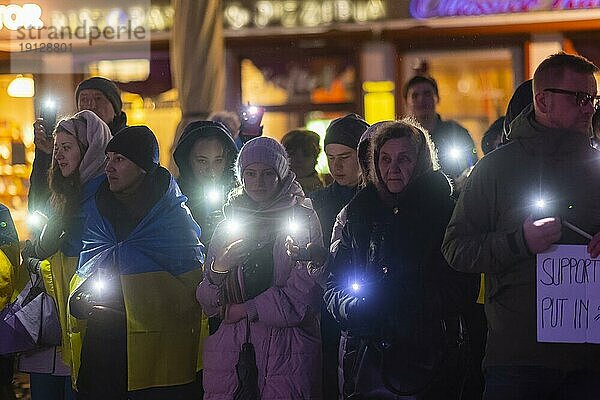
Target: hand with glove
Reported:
[(30, 259)]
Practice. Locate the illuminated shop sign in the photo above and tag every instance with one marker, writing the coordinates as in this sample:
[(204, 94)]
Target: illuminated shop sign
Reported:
[(155, 18), (14, 16), (301, 13), (422, 9)]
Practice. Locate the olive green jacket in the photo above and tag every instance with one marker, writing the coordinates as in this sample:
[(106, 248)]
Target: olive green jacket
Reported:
[(485, 234)]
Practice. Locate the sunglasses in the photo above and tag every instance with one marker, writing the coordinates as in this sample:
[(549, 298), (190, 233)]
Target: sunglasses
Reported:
[(581, 98)]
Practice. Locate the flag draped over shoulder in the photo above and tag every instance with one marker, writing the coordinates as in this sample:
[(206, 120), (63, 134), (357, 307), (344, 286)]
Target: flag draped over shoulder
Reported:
[(159, 265), (167, 239)]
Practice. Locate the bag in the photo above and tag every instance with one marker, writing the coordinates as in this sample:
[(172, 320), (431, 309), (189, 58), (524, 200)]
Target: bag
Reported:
[(246, 370), (30, 322), (386, 369)]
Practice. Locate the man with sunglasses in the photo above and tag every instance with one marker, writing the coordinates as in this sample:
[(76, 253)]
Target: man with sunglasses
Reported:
[(498, 228)]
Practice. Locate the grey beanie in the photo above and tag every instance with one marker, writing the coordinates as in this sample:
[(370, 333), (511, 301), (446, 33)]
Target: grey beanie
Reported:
[(266, 151)]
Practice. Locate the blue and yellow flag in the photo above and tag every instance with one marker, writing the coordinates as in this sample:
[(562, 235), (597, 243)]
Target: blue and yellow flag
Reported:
[(159, 265)]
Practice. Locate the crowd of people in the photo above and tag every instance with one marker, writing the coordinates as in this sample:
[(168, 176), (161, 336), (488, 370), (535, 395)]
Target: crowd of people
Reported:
[(411, 275)]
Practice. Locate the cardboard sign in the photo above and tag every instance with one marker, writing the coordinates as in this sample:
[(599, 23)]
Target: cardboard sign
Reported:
[(568, 295)]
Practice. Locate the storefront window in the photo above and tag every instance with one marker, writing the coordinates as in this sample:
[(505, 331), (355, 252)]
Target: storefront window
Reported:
[(475, 86), (16, 152), (318, 80), (307, 92)]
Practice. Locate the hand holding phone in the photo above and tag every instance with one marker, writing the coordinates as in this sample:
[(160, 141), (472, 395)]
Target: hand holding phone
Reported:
[(48, 116), (40, 139), (250, 120)]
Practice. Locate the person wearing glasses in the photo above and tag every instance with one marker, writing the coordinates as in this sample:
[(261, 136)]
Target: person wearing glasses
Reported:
[(497, 229)]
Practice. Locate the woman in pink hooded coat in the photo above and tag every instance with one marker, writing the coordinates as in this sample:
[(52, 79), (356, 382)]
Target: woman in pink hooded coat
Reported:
[(254, 281)]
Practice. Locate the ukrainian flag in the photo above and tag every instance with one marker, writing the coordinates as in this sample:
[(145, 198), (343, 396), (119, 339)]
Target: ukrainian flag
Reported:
[(160, 266)]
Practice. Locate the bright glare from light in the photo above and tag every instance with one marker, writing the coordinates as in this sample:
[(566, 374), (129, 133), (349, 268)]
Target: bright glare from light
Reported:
[(455, 153), (355, 287), (49, 104), (541, 203), (213, 196), (252, 110), (36, 219), (294, 226), (99, 285), (233, 226)]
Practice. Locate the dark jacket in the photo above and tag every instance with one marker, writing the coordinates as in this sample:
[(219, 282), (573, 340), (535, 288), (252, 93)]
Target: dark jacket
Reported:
[(104, 350), (147, 249), (206, 212), (405, 287), (328, 202), (486, 234), (39, 191), (448, 135)]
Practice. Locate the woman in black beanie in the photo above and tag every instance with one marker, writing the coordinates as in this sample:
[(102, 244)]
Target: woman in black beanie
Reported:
[(139, 267)]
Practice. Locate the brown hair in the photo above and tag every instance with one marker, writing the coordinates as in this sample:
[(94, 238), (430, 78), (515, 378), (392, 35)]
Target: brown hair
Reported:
[(65, 192), (303, 139), (553, 67), (415, 80)]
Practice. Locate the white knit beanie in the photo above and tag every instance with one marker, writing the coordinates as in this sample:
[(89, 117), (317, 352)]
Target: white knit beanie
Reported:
[(266, 151)]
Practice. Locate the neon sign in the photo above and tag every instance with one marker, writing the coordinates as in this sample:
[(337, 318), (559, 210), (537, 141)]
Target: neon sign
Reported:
[(423, 9)]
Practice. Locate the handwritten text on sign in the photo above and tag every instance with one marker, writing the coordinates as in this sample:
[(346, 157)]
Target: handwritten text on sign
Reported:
[(568, 295)]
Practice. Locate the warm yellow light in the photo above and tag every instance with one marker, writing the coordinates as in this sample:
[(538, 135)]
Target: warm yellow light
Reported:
[(378, 86), (21, 87), (379, 101), (379, 107), (128, 70)]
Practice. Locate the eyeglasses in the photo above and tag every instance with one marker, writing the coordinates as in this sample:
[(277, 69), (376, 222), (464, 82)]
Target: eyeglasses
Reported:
[(581, 98)]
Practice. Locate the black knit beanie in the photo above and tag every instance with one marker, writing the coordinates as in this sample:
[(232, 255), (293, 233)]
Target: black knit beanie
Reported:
[(138, 144), (346, 130), (107, 87)]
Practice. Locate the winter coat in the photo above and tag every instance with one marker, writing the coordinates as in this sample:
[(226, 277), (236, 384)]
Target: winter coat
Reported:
[(284, 317), (9, 257), (6, 280), (486, 234), (206, 212), (60, 243), (57, 271), (310, 183), (154, 271), (448, 135), (404, 288), (327, 203)]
